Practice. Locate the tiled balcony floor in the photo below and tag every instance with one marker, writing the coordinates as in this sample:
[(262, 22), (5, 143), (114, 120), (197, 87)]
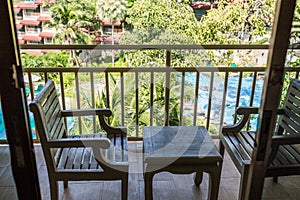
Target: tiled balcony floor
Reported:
[(166, 186)]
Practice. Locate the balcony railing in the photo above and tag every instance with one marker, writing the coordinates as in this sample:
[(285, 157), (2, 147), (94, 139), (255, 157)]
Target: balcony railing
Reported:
[(188, 95)]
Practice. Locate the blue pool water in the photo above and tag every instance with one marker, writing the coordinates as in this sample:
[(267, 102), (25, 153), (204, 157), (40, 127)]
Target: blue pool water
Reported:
[(70, 121), (231, 94), (2, 126)]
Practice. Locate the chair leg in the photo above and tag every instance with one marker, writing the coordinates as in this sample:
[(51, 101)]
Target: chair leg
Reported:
[(275, 179), (221, 148), (214, 182), (222, 152), (65, 184), (243, 182), (124, 188), (148, 178), (53, 189)]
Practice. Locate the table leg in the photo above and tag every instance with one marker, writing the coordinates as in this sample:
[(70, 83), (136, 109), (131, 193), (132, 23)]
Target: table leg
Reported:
[(148, 178), (198, 178), (214, 182)]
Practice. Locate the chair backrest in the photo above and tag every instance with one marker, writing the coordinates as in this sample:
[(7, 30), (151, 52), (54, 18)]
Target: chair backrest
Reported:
[(47, 114), (289, 123)]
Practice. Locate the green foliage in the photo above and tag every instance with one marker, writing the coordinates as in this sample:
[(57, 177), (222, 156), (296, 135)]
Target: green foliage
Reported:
[(163, 15), (111, 10), (236, 22), (73, 20), (60, 59), (295, 32), (49, 60)]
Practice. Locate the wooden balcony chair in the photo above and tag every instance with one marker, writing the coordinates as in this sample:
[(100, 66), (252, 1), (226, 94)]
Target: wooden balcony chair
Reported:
[(284, 158), (80, 157)]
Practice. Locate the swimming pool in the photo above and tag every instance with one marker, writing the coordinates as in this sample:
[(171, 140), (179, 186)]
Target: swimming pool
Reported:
[(2, 126), (70, 122), (232, 90)]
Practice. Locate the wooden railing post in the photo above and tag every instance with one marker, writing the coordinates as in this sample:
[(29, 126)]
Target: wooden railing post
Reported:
[(273, 83)]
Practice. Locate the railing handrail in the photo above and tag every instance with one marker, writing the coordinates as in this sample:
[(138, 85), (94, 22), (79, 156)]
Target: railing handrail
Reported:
[(154, 69), (145, 46)]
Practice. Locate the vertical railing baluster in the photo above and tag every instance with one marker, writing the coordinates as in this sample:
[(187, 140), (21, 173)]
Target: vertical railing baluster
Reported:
[(151, 97), (167, 88), (93, 100), (107, 93), (107, 89), (182, 98), (46, 76), (196, 98), (252, 95), (136, 104), (238, 94), (62, 90), (62, 95), (224, 101), (209, 99), (297, 75), (122, 99), (31, 86), (78, 100)]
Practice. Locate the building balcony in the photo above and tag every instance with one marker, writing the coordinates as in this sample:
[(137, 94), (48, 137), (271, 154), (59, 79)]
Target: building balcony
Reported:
[(202, 94)]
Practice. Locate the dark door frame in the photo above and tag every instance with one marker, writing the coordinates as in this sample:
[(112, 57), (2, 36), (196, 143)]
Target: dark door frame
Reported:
[(14, 107)]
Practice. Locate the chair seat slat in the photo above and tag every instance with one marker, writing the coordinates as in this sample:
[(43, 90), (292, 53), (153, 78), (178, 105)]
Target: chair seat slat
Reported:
[(63, 158), (70, 159), (78, 158)]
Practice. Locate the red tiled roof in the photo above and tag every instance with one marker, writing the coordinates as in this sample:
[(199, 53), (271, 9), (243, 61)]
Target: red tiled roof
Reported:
[(202, 6), (44, 18), (104, 38), (20, 41), (32, 38), (50, 51), (17, 10), (46, 34), (44, 1), (30, 22), (26, 5), (34, 52), (19, 26), (106, 22)]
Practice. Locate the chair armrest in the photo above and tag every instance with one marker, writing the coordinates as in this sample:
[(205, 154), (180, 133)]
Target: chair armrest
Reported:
[(100, 112), (103, 143), (285, 139), (246, 112), (87, 112)]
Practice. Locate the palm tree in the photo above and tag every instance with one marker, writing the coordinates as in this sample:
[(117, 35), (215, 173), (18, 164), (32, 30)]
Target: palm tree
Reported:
[(112, 10), (72, 20)]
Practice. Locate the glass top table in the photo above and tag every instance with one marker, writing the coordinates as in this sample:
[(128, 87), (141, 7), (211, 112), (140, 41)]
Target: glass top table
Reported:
[(180, 150)]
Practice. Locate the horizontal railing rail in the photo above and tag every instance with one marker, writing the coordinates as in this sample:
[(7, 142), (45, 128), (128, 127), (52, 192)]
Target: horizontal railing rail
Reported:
[(144, 46)]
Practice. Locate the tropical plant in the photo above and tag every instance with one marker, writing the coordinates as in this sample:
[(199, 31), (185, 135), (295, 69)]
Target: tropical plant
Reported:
[(113, 11), (74, 20)]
